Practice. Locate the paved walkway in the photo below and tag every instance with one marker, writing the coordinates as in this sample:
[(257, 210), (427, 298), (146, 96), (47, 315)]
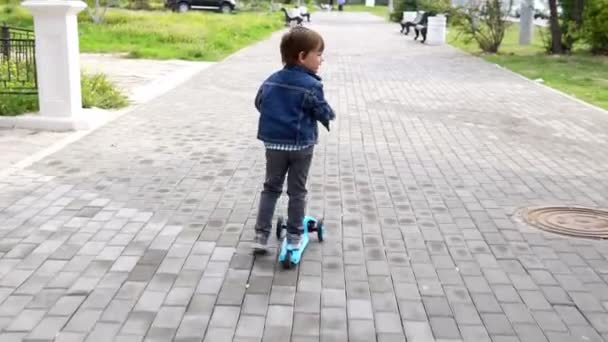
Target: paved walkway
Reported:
[(141, 231), (138, 79)]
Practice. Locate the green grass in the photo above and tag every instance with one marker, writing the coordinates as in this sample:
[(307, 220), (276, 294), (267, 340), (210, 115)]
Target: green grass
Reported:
[(97, 91), (581, 74), (11, 105), (381, 11), (165, 35)]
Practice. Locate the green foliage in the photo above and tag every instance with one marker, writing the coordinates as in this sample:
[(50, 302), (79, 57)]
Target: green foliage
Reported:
[(99, 92), (402, 6), (595, 27), (439, 6), (18, 104)]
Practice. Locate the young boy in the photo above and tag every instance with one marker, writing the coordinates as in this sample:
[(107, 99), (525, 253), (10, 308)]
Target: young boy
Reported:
[(290, 103)]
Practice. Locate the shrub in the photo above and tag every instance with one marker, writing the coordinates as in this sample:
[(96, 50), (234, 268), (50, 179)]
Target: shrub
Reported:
[(97, 91), (595, 28)]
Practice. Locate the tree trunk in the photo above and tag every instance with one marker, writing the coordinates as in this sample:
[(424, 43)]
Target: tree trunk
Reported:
[(556, 31)]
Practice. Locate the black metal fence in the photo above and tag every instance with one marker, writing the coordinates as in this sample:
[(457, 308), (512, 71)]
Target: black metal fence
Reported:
[(17, 61)]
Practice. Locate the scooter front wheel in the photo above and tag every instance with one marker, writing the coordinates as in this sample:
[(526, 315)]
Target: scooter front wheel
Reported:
[(287, 264)]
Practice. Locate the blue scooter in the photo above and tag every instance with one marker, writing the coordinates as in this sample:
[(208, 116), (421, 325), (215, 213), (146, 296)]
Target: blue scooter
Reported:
[(288, 256)]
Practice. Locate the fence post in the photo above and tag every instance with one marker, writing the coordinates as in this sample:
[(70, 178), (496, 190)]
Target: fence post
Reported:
[(5, 36)]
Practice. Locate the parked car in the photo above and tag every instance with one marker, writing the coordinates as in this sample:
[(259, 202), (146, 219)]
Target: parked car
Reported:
[(224, 6), (538, 13)]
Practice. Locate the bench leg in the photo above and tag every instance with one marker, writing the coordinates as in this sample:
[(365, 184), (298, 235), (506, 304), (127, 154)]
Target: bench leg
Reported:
[(407, 28)]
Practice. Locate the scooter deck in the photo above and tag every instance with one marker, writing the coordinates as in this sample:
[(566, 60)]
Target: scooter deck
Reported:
[(296, 254)]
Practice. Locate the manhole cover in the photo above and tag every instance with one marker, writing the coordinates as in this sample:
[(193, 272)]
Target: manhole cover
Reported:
[(579, 222)]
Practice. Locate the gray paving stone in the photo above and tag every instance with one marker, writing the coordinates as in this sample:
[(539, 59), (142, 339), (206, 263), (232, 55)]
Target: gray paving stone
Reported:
[(179, 296), (279, 316), (486, 303), (193, 326), (518, 313), (570, 315), (103, 332), (388, 323), (412, 310), (466, 314), (549, 321), (150, 301), (474, 333), (306, 324), (437, 306), (66, 305), (224, 317), (250, 326), (138, 323), (444, 328), (307, 302), (333, 298), (418, 331), (156, 334), (26, 321), (70, 337), (497, 324), (14, 304), (361, 330), (529, 332), (359, 309), (169, 317)]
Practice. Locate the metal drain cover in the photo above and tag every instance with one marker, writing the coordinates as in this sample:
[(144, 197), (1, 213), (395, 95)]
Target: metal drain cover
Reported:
[(572, 221)]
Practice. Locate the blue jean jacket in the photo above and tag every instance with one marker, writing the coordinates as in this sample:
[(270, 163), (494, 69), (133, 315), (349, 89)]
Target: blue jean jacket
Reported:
[(290, 103)]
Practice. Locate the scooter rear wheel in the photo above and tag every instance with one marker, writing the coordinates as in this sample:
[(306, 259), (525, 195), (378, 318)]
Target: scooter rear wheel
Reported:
[(280, 223), (320, 230)]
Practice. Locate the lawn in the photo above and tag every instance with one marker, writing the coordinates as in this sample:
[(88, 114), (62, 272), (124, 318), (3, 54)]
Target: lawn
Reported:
[(203, 36), (582, 75), (381, 11)]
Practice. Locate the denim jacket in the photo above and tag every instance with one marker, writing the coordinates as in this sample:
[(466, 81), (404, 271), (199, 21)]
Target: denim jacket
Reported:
[(290, 103)]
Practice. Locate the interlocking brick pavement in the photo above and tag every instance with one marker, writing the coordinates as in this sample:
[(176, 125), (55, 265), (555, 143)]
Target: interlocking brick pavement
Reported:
[(142, 230)]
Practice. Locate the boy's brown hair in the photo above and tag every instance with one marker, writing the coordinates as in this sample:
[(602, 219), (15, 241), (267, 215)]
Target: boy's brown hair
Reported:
[(299, 39)]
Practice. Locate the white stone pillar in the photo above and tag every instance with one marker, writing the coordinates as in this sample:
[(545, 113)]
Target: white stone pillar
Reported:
[(526, 22), (57, 62), (436, 30)]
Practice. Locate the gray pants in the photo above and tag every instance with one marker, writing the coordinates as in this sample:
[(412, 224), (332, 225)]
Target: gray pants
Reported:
[(294, 165)]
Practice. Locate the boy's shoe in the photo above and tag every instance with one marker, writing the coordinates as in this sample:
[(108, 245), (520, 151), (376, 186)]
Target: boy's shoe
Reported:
[(293, 241), (260, 243)]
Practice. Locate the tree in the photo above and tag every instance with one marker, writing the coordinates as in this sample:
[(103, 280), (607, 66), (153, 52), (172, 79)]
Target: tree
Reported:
[(97, 10), (486, 23), (556, 30)]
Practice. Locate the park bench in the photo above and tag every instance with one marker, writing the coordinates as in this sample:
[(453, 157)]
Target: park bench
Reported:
[(292, 14), (420, 27), (406, 24), (304, 12)]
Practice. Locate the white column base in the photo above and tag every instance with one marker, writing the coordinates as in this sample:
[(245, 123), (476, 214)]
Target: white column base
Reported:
[(86, 120)]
